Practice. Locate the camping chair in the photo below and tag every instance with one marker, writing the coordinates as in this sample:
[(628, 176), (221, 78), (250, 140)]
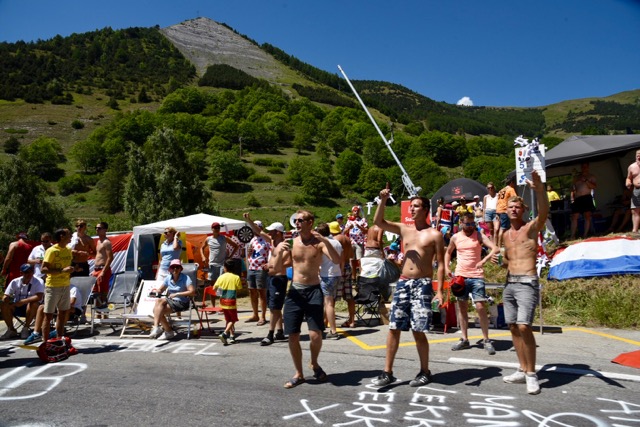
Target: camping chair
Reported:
[(368, 300), (85, 286), (142, 309), (191, 270), (120, 295), (209, 291)]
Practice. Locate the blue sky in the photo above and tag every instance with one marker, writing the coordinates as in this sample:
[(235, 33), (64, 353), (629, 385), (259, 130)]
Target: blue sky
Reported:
[(494, 52)]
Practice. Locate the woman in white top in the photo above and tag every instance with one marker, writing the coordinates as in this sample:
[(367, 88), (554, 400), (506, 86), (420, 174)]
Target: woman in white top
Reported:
[(489, 202)]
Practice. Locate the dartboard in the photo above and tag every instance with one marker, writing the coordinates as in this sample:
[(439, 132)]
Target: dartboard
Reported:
[(245, 234)]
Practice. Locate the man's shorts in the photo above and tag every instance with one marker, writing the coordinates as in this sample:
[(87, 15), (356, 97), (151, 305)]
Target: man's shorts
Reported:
[(257, 279), (329, 285), (489, 215), (411, 305), (475, 288), (582, 204), (505, 224), (344, 288), (230, 314), (177, 305), (358, 250), (303, 302), (58, 297), (635, 198), (215, 271), (277, 291), (520, 299), (102, 283)]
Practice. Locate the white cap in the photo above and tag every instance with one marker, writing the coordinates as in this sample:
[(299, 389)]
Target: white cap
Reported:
[(277, 226), (455, 203)]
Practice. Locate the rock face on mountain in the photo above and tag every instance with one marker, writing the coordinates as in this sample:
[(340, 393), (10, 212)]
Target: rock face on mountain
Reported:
[(204, 42)]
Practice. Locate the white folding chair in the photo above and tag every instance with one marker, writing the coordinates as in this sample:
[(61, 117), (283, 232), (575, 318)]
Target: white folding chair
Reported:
[(142, 309)]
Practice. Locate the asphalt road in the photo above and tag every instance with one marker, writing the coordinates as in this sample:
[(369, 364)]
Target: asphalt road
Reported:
[(142, 382)]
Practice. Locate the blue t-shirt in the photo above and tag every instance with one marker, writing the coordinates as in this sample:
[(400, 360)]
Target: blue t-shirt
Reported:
[(179, 286), (168, 254)]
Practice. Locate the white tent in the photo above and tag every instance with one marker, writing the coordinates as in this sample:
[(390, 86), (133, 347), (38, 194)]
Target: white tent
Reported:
[(192, 224)]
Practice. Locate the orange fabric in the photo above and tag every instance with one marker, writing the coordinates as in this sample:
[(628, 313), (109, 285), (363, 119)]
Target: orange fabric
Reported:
[(503, 198), (468, 250)]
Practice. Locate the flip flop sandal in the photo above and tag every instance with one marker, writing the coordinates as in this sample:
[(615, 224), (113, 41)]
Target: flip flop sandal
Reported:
[(294, 382), (261, 323), (319, 374), (348, 325)]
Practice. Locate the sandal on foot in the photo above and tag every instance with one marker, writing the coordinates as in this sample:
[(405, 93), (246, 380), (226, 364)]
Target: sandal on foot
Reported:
[(294, 382), (261, 323), (348, 325), (319, 374), (252, 319)]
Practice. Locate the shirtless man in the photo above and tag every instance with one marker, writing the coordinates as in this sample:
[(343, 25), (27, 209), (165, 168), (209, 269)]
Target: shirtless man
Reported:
[(305, 299), (582, 199), (102, 265), (279, 260), (411, 306), (373, 244), (82, 247), (521, 293), (633, 183)]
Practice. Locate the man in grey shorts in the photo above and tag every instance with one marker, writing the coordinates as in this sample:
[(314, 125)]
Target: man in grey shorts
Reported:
[(633, 183), (521, 293)]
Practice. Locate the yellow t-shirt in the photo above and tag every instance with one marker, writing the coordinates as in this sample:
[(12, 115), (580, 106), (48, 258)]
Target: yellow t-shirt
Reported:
[(552, 196), (58, 258)]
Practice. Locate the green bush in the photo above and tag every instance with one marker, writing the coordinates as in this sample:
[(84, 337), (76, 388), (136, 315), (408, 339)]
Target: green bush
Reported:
[(274, 170), (252, 201), (77, 124), (72, 184), (12, 145)]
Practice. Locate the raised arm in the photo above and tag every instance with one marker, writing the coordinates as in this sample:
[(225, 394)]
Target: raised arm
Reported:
[(378, 218), (542, 202)]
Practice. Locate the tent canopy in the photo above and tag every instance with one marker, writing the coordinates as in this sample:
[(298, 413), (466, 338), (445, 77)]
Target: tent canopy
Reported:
[(589, 148), (192, 224), (456, 189)]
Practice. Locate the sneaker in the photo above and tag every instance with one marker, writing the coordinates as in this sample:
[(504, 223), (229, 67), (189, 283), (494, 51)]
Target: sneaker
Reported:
[(24, 334), (533, 387), (488, 345), (83, 320), (332, 336), (232, 339), (53, 334), (11, 333), (423, 378), (266, 341), (461, 345), (223, 337), (34, 337), (279, 336), (518, 377), (155, 332), (385, 378), (167, 335)]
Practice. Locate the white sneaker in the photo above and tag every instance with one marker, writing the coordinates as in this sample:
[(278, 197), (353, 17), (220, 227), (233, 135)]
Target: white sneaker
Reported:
[(10, 333), (533, 387), (518, 377), (155, 332), (167, 335), (24, 334)]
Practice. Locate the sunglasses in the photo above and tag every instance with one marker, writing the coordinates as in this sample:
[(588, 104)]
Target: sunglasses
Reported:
[(469, 224), (299, 220)]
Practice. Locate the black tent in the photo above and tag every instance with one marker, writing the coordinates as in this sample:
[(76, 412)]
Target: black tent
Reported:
[(456, 189), (590, 148)]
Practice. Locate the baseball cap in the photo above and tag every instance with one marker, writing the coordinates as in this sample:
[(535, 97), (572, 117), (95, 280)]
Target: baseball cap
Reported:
[(339, 216), (476, 197), (26, 267), (334, 227), (22, 235), (394, 246), (215, 225), (258, 223), (454, 203), (175, 263), (277, 226), (355, 208)]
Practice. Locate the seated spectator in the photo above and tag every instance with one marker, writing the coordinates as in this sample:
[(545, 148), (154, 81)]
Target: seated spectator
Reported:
[(179, 290), (22, 298)]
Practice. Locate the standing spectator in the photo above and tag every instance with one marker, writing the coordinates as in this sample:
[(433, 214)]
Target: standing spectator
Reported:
[(552, 195), (82, 247), (17, 255), (489, 207), (521, 293), (304, 298), (507, 192), (217, 246), (102, 264), (170, 249), (411, 306), (582, 199), (633, 183), (22, 298), (57, 266), (340, 221), (257, 274), (438, 216), (356, 229), (237, 255), (373, 244), (478, 209), (344, 288), (468, 244), (228, 285), (37, 254), (330, 276)]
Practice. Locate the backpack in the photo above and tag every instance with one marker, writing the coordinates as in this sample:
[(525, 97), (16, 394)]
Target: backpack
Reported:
[(56, 350)]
